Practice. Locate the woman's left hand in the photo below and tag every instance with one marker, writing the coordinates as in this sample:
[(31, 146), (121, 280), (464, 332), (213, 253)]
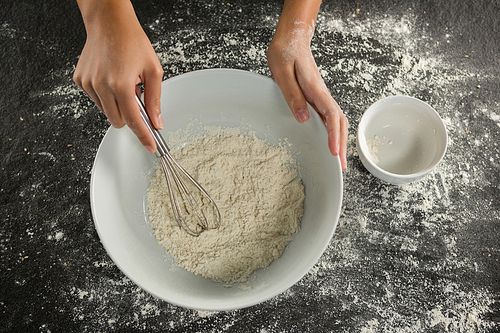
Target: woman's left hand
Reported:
[(295, 71)]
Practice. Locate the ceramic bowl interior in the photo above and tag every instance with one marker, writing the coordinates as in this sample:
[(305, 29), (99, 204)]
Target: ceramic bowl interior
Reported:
[(122, 167), (401, 139)]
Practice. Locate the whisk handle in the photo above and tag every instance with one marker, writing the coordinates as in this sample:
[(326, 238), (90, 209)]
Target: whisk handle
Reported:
[(161, 147)]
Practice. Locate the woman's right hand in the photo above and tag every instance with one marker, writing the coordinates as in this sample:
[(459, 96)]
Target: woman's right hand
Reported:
[(117, 56)]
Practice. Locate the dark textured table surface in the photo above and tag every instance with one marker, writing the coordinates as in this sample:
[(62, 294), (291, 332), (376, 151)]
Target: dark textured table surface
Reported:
[(422, 257)]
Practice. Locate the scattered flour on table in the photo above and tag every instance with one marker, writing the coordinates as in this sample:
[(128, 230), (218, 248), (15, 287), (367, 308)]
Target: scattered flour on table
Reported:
[(372, 268), (258, 193)]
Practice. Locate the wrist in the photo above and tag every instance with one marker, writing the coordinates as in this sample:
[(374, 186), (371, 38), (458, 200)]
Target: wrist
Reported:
[(105, 14), (299, 11), (297, 20)]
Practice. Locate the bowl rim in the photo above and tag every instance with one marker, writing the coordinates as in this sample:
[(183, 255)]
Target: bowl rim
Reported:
[(215, 306), (410, 176)]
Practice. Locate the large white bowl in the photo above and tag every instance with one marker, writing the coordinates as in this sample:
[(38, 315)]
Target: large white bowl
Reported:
[(213, 97), (401, 139)]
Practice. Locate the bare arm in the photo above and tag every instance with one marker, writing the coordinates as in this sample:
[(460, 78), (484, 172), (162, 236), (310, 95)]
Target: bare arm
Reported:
[(117, 57), (296, 73)]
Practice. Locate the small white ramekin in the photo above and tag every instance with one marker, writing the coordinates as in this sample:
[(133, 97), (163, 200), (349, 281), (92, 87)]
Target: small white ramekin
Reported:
[(401, 139)]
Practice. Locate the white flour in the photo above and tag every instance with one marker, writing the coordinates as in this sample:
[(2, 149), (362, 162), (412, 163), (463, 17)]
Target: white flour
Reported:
[(373, 146), (384, 270), (258, 195)]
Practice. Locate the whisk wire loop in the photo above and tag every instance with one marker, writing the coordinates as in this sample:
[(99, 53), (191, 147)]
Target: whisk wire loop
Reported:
[(186, 207), (187, 203)]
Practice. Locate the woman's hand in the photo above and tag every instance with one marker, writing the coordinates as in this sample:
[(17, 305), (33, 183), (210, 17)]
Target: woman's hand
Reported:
[(117, 57), (293, 67)]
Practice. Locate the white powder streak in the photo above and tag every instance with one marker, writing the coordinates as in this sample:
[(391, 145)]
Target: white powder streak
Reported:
[(259, 197)]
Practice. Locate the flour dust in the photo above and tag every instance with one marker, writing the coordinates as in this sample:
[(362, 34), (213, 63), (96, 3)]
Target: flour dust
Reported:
[(400, 260)]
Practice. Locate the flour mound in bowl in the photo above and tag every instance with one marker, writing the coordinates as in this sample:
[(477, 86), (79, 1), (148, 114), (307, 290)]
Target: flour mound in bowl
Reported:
[(259, 195)]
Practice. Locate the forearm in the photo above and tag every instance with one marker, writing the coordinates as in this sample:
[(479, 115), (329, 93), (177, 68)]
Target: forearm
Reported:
[(106, 14), (298, 14)]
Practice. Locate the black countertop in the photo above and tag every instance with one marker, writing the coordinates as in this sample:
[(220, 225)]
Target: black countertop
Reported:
[(421, 257)]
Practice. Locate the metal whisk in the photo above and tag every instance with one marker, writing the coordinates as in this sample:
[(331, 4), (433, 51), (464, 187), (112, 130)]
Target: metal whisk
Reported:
[(192, 212)]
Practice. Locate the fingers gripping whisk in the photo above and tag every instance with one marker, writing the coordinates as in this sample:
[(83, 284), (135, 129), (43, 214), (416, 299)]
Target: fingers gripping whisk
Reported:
[(193, 208)]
